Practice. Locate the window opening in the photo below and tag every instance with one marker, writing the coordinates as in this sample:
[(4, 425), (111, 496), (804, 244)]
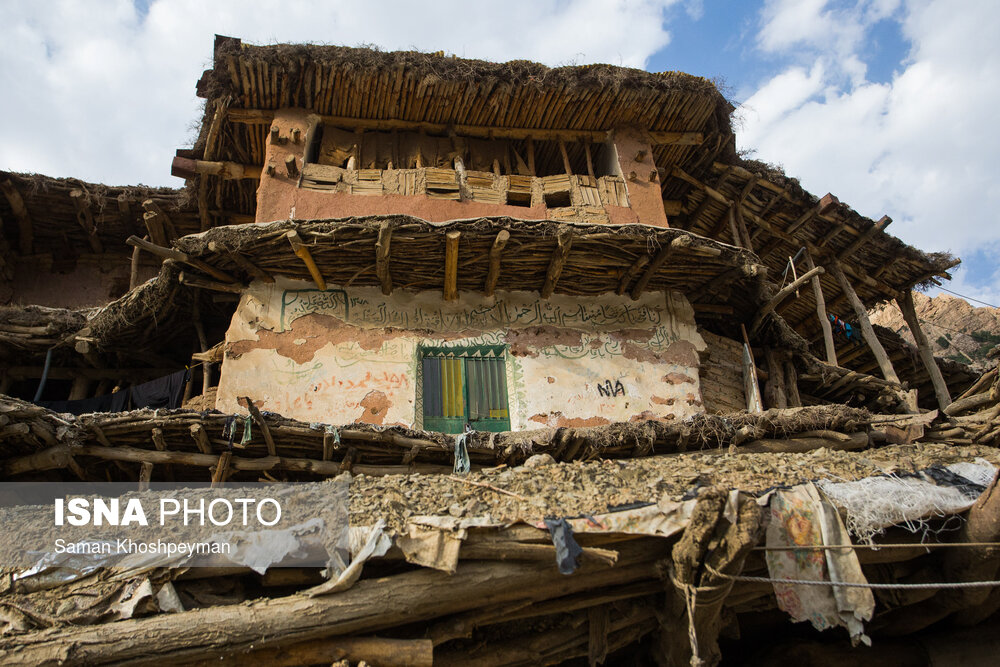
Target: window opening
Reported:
[(465, 385)]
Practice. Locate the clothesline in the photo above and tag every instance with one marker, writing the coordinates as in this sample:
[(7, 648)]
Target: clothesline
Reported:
[(851, 584), (819, 547)]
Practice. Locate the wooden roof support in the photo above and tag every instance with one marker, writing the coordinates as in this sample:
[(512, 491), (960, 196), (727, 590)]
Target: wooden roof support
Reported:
[(824, 321), (125, 210), (905, 303), (187, 168), (879, 226), (195, 281), (496, 252), (630, 273), (184, 258), (150, 206), (782, 294), (86, 219), (529, 145), (824, 204), (733, 231), (451, 265), (200, 438), (658, 261), (382, 250), (301, 250), (564, 242), (154, 225), (263, 116), (25, 229), (262, 425), (888, 372), (590, 163), (567, 167), (239, 260)]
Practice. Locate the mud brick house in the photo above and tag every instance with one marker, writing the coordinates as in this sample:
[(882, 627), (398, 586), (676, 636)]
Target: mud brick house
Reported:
[(495, 294)]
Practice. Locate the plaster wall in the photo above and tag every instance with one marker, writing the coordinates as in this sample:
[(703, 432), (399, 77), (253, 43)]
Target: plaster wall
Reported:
[(280, 198), (352, 355), (81, 284)]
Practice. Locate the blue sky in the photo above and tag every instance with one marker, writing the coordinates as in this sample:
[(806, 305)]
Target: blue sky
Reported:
[(887, 104)]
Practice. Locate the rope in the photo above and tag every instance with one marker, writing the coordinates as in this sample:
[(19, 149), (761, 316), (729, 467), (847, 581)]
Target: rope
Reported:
[(851, 584), (691, 602)]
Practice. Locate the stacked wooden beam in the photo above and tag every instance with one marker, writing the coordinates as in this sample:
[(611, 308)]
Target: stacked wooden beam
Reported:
[(974, 417)]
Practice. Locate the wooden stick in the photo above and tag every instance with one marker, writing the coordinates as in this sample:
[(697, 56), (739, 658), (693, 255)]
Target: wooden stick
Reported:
[(86, 219), (824, 321), (866, 326), (487, 486), (382, 250), (905, 303), (133, 276), (259, 419), (590, 163), (879, 226), (201, 438), (24, 226), (530, 148), (187, 168), (565, 158), (564, 242), (451, 265), (184, 258), (496, 252), (202, 283), (150, 206), (630, 273), (302, 251), (221, 469), (145, 474), (242, 262), (782, 294), (658, 261)]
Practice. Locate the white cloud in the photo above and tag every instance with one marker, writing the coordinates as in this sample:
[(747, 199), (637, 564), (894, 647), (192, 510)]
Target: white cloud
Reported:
[(93, 90), (921, 148)]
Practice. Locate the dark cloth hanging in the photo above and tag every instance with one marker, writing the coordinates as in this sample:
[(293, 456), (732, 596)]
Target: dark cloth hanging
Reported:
[(116, 402), (164, 392), (567, 550)]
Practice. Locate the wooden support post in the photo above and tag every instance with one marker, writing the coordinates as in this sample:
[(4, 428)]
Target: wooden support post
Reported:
[(565, 158), (496, 252), (200, 438), (24, 226), (782, 294), (451, 265), (133, 276), (221, 471), (590, 163), (630, 273), (206, 367), (79, 389), (156, 233), (774, 389), (905, 303), (187, 168), (262, 425), (302, 251), (888, 372), (382, 250), (145, 474), (156, 435), (564, 243), (530, 148), (86, 219), (328, 446), (658, 261), (291, 167), (731, 217), (239, 260), (792, 384), (824, 321), (202, 283)]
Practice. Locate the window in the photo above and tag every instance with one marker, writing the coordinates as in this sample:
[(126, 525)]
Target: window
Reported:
[(465, 385)]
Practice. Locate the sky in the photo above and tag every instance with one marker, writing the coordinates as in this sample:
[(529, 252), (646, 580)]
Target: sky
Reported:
[(887, 104)]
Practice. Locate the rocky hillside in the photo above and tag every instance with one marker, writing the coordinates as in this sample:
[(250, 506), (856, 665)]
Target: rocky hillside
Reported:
[(956, 329)]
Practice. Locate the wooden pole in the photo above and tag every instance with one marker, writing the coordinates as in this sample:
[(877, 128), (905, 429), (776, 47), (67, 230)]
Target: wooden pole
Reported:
[(888, 372), (590, 163), (774, 389), (177, 255), (905, 302), (262, 425), (657, 262), (369, 606), (133, 276), (302, 251), (382, 249), (496, 252), (373, 650), (792, 384), (565, 158), (563, 244), (451, 265), (86, 219), (782, 294), (824, 321)]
